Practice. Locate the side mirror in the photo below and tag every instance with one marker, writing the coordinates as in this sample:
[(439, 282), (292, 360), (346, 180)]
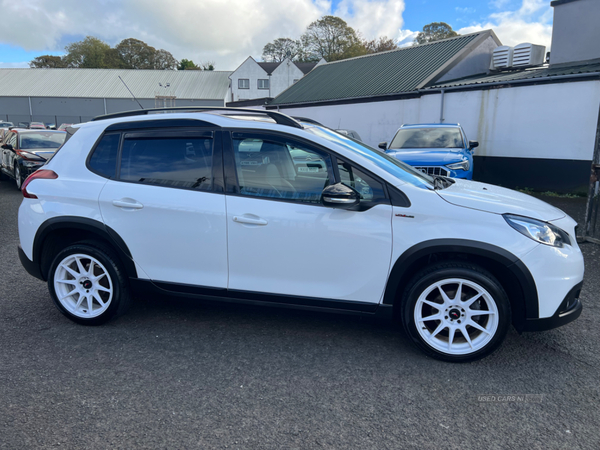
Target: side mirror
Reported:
[(383, 145), (7, 146), (340, 196), (473, 144)]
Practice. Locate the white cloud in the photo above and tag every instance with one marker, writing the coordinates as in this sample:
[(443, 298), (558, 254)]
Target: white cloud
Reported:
[(465, 10), (225, 32), (532, 22), (406, 38), (373, 18), (222, 31)]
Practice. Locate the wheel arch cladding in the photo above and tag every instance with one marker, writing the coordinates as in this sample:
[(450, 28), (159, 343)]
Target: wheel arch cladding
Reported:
[(56, 233), (510, 271)]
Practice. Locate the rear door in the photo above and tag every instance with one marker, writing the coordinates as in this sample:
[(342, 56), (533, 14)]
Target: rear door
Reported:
[(166, 202)]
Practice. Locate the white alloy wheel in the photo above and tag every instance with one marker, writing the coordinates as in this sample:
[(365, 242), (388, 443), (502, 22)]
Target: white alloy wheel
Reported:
[(83, 286), (456, 316)]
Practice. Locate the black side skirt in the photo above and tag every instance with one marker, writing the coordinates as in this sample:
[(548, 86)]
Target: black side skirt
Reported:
[(159, 288)]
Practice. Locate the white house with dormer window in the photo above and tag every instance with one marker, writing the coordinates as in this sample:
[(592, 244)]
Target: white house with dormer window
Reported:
[(254, 80)]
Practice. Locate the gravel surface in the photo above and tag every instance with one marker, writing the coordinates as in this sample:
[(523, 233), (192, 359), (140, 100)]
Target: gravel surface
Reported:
[(182, 374)]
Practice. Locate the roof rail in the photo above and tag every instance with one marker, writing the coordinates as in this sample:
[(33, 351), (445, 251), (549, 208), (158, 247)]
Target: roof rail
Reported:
[(278, 117), (307, 120)]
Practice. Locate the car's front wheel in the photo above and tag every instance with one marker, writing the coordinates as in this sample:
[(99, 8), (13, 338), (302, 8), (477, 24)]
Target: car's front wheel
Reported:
[(456, 311), (87, 284), (18, 177)]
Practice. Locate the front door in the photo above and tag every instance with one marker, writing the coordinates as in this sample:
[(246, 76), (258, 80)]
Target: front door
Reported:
[(282, 240)]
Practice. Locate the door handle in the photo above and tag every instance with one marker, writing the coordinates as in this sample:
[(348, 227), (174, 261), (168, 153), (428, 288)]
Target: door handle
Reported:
[(250, 220), (127, 203)]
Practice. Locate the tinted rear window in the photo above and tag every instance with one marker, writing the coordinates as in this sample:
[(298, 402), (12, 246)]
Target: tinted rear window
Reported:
[(179, 162)]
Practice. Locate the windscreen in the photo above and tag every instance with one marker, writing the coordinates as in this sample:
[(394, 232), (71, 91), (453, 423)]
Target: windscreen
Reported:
[(392, 165), (427, 138), (41, 140)]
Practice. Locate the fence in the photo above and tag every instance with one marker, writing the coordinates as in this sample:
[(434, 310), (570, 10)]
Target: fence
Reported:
[(46, 119)]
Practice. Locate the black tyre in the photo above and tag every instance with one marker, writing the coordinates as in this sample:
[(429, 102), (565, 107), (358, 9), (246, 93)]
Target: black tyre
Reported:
[(18, 177), (456, 311), (87, 283)]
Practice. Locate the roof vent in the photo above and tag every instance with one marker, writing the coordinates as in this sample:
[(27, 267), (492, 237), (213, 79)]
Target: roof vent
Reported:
[(502, 57), (528, 55)]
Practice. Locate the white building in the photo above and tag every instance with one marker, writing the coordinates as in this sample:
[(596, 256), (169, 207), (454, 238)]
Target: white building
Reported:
[(257, 80), (77, 95), (536, 126)]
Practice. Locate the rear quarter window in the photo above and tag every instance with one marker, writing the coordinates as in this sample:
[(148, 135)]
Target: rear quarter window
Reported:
[(103, 160)]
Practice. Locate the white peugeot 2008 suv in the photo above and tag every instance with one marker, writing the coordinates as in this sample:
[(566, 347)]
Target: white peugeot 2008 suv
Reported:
[(210, 203)]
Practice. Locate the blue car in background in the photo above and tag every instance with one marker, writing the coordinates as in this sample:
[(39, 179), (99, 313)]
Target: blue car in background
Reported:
[(434, 148)]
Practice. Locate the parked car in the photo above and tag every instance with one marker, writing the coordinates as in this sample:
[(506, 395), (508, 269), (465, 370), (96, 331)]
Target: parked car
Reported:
[(64, 126), (435, 149), (37, 125), (23, 125), (25, 151), (6, 124), (211, 205)]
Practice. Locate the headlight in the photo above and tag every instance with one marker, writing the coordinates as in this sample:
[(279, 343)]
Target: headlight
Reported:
[(542, 232), (463, 165)]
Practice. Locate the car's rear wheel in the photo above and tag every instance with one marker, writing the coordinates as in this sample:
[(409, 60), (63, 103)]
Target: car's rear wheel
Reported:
[(87, 284), (456, 311)]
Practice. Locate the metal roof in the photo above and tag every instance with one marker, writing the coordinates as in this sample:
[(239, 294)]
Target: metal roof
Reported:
[(105, 83), (269, 67), (396, 71), (545, 73)]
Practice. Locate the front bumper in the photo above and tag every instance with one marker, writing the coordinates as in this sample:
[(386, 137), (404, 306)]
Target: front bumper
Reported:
[(30, 167), (569, 310)]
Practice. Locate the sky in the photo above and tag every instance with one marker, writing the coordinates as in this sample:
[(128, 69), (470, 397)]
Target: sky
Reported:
[(228, 31)]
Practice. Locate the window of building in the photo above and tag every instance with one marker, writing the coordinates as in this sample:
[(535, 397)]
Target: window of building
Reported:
[(263, 84), (243, 83)]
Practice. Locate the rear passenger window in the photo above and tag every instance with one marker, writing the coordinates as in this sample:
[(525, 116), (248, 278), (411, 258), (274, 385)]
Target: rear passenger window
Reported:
[(177, 161), (104, 159)]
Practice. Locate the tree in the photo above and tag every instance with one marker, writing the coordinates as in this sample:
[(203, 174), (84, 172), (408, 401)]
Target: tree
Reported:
[(136, 54), (331, 38), (281, 48), (163, 60), (383, 44), (87, 54), (434, 32), (207, 65), (188, 64), (47, 62)]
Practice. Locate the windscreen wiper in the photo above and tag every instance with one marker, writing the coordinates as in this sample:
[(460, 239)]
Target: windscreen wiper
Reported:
[(440, 182)]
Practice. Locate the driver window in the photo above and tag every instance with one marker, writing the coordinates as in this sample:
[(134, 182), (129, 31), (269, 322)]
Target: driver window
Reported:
[(277, 168), (369, 189)]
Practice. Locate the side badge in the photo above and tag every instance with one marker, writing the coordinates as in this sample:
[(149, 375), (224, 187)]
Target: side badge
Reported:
[(405, 215)]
